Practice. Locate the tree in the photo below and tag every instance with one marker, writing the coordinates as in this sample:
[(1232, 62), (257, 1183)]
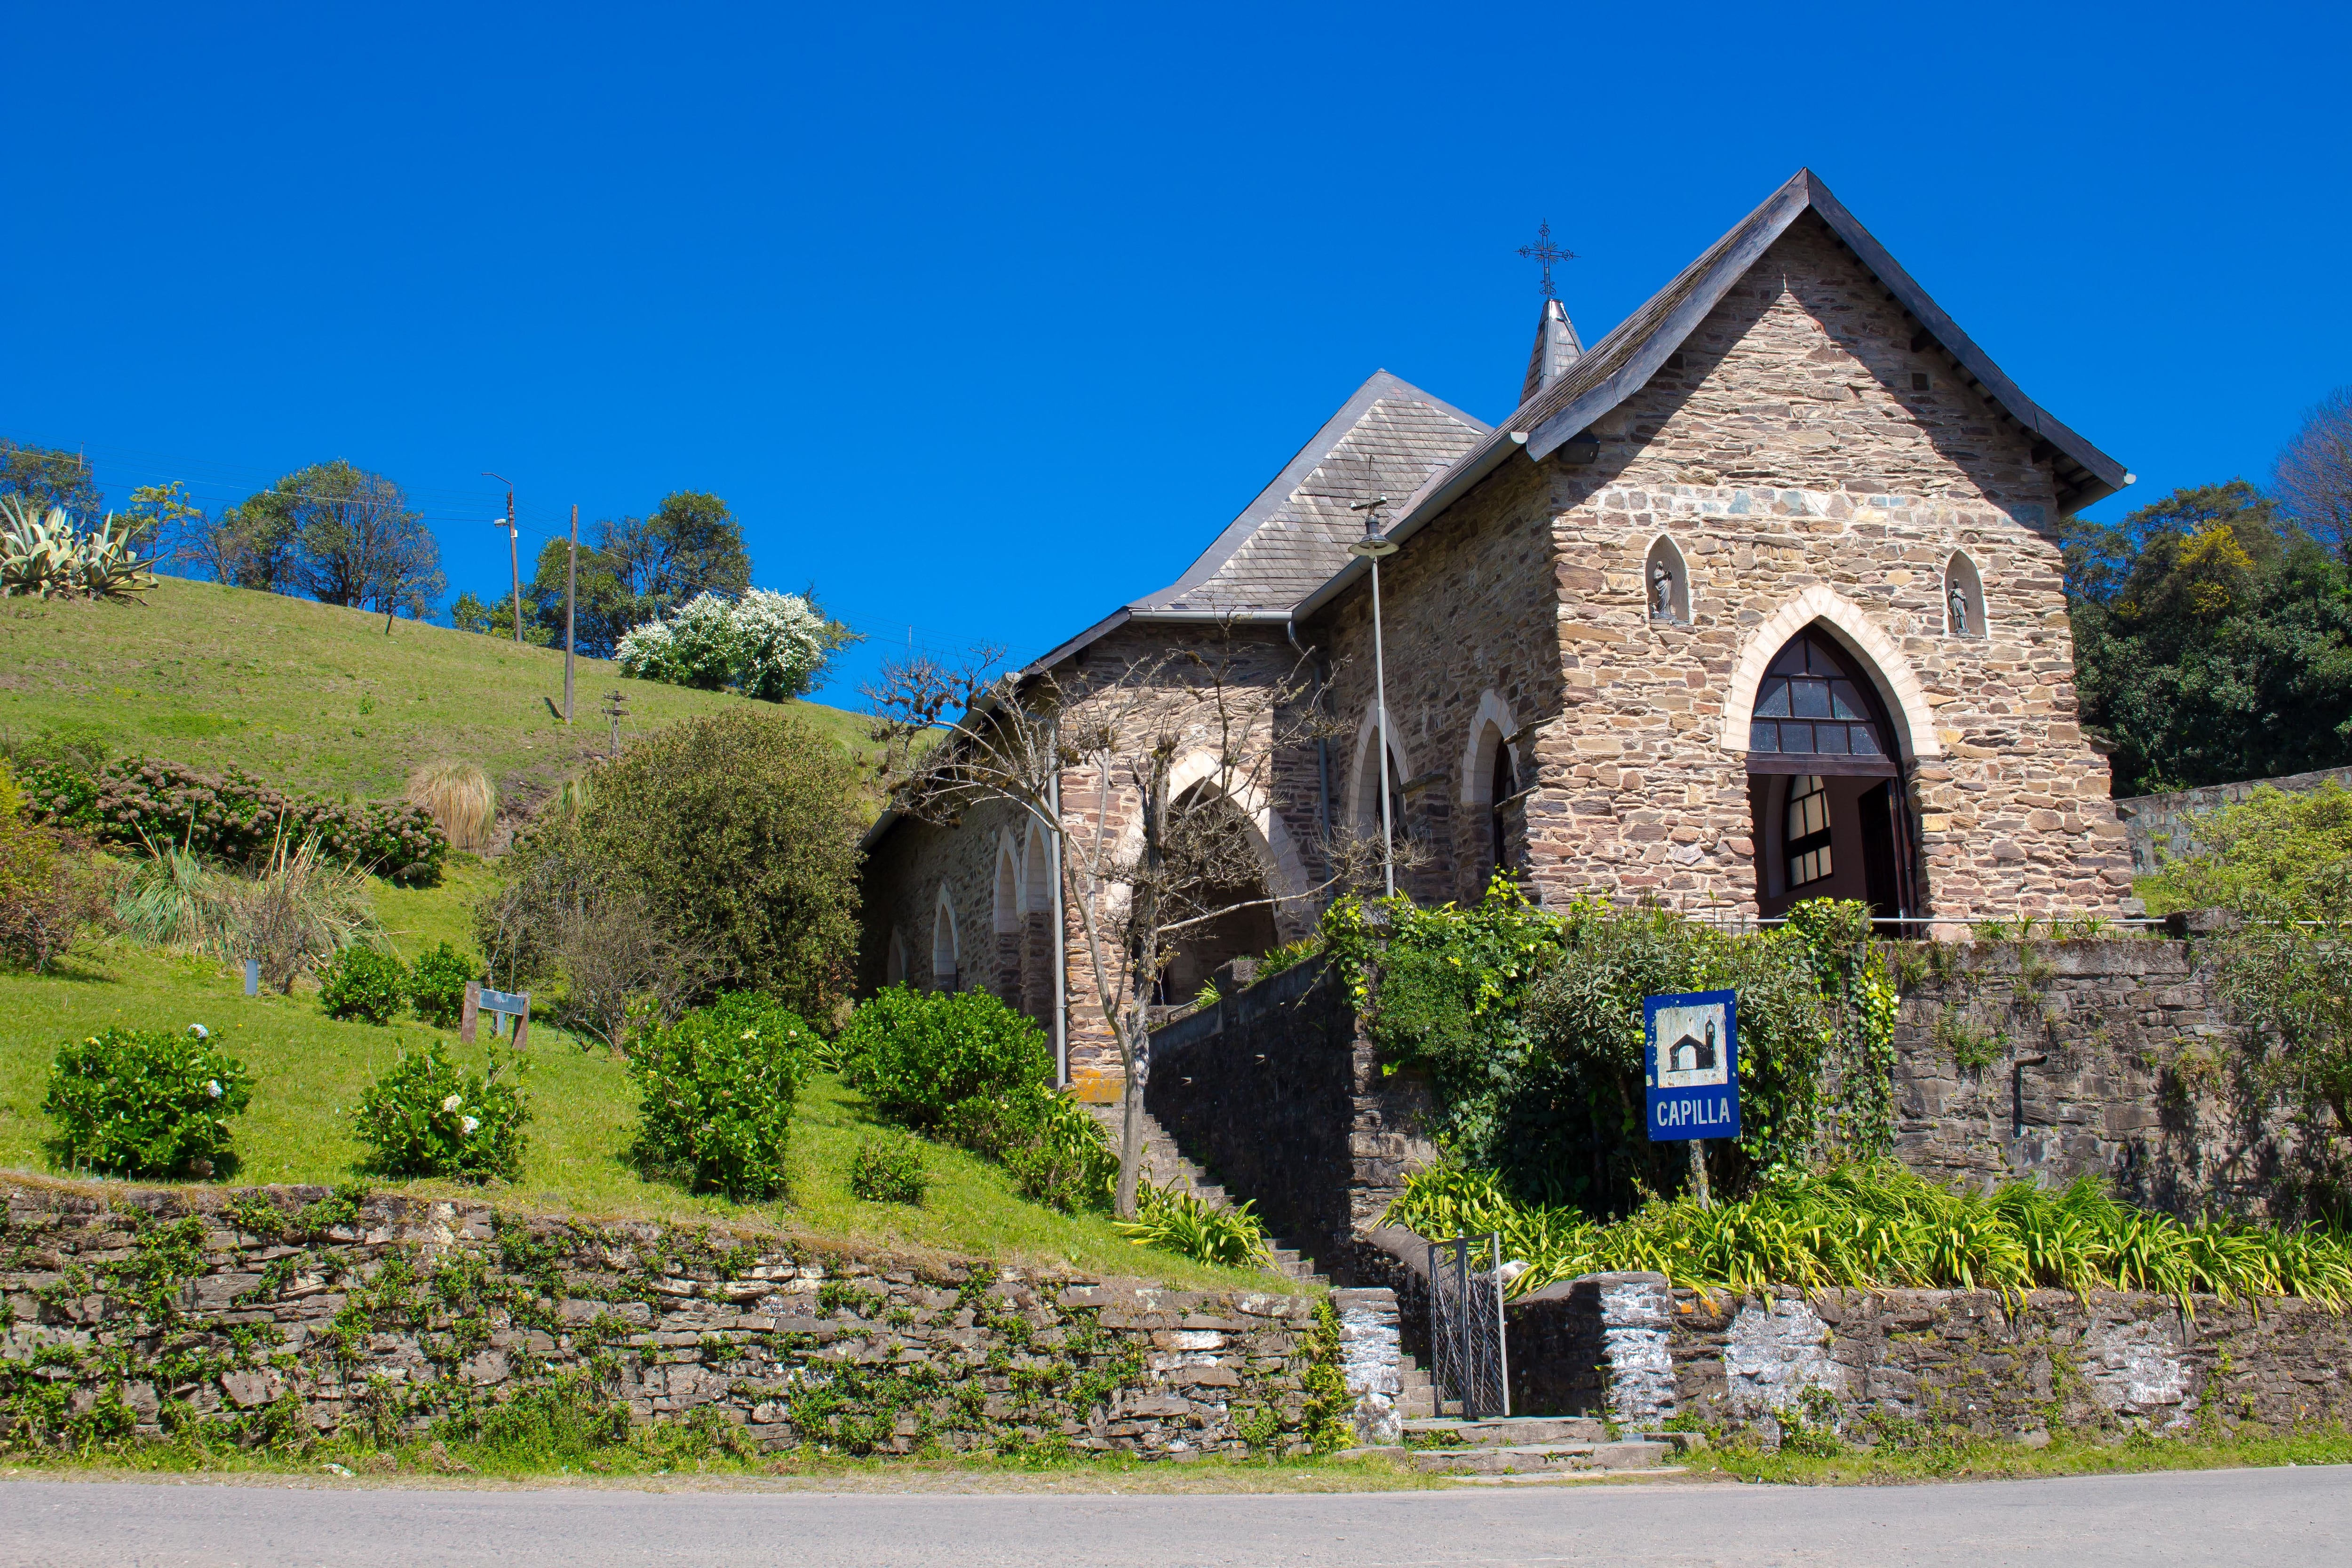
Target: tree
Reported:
[(469, 614), (690, 545), (2213, 640), (962, 738), (44, 477), (2313, 477), (605, 607), (354, 539)]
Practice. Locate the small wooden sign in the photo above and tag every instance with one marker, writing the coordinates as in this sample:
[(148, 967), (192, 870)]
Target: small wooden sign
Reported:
[(501, 1005)]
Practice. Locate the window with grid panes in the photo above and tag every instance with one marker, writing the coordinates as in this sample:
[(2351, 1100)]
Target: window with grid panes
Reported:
[(1809, 831), (1808, 702)]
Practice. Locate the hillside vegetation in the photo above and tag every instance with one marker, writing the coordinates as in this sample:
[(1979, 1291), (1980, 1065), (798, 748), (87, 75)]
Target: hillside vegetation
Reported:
[(317, 696)]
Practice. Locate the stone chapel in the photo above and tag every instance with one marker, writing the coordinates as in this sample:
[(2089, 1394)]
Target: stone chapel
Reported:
[(1756, 600)]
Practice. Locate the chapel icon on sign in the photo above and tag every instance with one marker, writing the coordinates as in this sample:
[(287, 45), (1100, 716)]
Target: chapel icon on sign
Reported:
[(1690, 1053)]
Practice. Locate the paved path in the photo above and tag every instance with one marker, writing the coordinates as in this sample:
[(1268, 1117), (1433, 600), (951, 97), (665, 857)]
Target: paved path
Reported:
[(2274, 1518)]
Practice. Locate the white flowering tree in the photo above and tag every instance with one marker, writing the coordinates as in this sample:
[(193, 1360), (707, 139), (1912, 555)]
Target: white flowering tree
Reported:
[(765, 644)]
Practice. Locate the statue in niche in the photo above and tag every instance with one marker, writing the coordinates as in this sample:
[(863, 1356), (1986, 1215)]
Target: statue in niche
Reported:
[(1960, 599), (1662, 592)]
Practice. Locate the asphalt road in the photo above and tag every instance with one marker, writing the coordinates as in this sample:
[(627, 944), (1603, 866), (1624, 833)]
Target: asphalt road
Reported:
[(2271, 1518)]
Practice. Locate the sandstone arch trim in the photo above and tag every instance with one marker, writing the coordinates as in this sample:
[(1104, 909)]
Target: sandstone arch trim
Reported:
[(1287, 875), (1004, 904), (1897, 683), (1492, 726), (1363, 811)]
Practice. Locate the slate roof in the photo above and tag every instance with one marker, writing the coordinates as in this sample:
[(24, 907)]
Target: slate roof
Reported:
[(1388, 438)]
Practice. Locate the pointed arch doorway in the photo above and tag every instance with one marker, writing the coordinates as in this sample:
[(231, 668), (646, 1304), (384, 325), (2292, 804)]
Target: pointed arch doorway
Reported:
[(1827, 786)]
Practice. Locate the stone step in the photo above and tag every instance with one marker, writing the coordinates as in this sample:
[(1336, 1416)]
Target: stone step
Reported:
[(1510, 1431), (1536, 1458)]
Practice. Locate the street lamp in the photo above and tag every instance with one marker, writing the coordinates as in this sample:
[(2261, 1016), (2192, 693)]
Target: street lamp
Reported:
[(514, 555), (1372, 547)]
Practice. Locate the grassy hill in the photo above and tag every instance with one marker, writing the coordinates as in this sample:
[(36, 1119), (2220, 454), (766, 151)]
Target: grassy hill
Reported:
[(309, 1071), (315, 695)]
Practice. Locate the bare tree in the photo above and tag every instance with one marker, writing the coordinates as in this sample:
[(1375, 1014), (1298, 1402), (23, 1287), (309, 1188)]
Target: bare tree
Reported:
[(2313, 477), (958, 737)]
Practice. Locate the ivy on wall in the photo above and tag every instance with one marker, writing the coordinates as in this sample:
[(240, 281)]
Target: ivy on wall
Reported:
[(1528, 1026)]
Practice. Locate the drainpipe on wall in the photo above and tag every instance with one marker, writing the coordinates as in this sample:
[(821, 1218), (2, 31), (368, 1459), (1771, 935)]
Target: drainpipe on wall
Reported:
[(1061, 970)]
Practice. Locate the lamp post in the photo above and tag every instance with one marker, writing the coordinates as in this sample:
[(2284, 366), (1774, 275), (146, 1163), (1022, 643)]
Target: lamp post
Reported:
[(1372, 547)]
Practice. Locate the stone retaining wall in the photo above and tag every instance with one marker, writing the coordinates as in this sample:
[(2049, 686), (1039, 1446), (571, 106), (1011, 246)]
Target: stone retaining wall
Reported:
[(283, 1312)]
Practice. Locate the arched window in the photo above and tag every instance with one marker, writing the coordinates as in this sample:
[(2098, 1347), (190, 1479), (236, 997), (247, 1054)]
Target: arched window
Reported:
[(894, 966), (945, 950), (1004, 911), (1036, 874), (1665, 583), (1808, 837), (1964, 600), (1810, 702), (1501, 786)]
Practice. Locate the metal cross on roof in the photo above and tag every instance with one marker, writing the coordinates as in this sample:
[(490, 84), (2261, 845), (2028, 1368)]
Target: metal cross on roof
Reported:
[(1545, 252)]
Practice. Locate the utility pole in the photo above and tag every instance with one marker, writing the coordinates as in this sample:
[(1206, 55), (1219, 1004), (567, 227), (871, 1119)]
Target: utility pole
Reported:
[(571, 585), (514, 551)]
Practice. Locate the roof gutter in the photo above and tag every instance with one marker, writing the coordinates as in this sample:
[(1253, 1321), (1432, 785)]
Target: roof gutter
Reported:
[(1423, 512)]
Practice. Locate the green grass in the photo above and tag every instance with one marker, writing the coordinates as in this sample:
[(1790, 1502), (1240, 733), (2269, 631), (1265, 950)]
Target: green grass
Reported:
[(316, 696), (311, 1069)]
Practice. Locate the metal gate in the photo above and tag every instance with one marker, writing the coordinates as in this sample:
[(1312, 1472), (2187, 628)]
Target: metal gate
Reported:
[(1465, 1325)]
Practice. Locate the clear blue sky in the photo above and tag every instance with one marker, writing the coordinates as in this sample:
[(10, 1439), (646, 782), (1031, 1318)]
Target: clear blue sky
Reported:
[(987, 321)]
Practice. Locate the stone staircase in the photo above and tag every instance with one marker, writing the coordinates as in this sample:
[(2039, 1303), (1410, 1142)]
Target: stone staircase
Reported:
[(1529, 1445), (1165, 1165)]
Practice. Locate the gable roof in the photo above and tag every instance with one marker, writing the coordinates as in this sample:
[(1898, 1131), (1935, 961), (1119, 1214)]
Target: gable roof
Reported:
[(1621, 363), (1389, 437)]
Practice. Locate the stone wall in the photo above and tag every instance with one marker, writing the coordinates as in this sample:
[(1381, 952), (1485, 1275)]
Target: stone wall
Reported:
[(2105, 1059), (1278, 1095), (2160, 827), (282, 1312), (1996, 1367)]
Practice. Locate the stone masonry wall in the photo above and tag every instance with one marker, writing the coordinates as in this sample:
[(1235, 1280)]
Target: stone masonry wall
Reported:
[(1789, 450), (279, 1313), (2105, 1059), (1277, 1093)]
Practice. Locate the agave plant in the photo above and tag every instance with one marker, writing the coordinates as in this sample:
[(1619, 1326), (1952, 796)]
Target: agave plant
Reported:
[(52, 557)]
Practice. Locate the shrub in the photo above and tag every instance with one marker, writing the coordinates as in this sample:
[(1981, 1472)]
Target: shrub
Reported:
[(426, 1118), (362, 982), (297, 910), (1057, 1152), (716, 1096), (1191, 1227), (888, 1168), (767, 646), (461, 799), (146, 1103), (917, 1053), (437, 984), (51, 887), (739, 831), (2272, 855), (135, 803)]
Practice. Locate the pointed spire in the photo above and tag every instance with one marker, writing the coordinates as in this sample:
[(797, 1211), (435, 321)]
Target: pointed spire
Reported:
[(1556, 349)]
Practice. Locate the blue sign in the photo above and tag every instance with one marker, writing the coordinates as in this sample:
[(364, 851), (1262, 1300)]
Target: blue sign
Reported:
[(1691, 1065)]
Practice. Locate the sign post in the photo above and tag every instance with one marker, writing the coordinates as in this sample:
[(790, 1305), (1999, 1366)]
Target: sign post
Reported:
[(1691, 1068)]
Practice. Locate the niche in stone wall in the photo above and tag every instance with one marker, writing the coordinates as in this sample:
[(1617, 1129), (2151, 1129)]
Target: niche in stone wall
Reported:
[(1665, 583), (1964, 600)]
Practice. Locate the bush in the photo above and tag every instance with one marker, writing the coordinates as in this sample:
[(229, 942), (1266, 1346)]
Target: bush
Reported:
[(437, 984), (1057, 1152), (915, 1053), (146, 1103), (767, 646), (2272, 855), (425, 1117), (362, 982), (888, 1168), (51, 887), (135, 803), (716, 1096), (741, 831), (1191, 1227)]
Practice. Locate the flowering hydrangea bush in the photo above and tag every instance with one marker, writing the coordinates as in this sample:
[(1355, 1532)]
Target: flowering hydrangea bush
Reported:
[(768, 646), (424, 1117), (716, 1091), (146, 1103), (133, 802)]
